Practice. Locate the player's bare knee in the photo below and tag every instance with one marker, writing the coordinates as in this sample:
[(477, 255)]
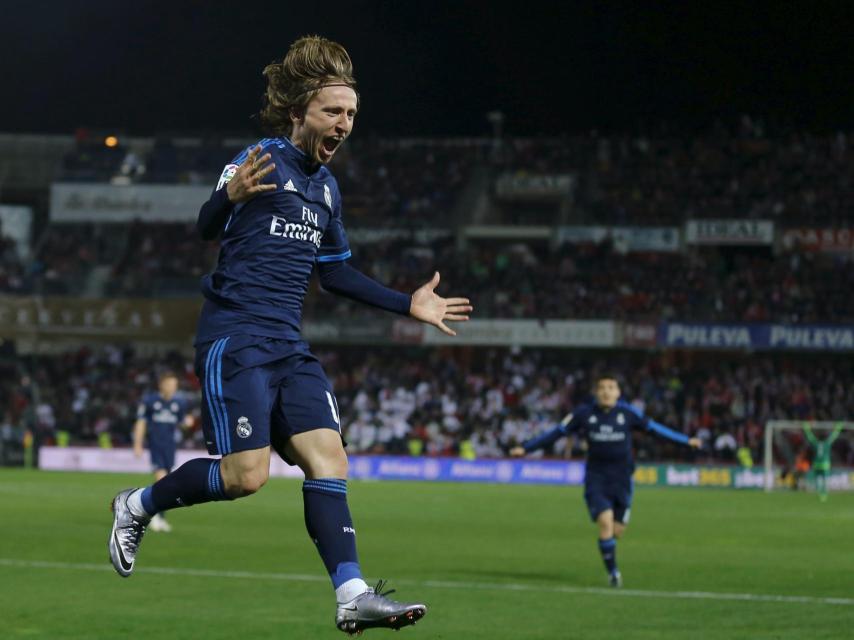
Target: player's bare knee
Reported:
[(319, 453), (252, 485), (247, 482), (246, 472), (605, 522)]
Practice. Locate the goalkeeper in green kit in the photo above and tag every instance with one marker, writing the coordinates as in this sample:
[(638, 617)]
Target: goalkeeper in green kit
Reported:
[(821, 463)]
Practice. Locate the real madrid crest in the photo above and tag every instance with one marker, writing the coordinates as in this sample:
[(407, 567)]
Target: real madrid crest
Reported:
[(243, 429)]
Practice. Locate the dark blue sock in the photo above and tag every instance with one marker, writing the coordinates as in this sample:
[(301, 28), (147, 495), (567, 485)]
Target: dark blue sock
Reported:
[(194, 482), (327, 519), (608, 549)]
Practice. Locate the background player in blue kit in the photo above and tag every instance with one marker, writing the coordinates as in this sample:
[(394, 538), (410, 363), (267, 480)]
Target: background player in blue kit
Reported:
[(277, 211), (607, 426), (157, 417)]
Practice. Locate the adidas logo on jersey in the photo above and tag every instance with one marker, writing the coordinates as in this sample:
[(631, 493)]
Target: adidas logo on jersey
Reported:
[(289, 186)]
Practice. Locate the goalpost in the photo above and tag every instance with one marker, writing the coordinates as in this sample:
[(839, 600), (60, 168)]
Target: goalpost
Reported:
[(775, 431)]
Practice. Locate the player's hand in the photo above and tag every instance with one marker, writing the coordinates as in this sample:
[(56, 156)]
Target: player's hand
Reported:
[(137, 450), (517, 452), (433, 309), (695, 443), (246, 183)]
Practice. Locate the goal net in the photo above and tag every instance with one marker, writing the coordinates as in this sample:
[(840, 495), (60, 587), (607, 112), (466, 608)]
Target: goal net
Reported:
[(789, 454)]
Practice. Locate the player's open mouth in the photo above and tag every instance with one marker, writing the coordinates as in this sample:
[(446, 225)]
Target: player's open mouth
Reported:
[(330, 144)]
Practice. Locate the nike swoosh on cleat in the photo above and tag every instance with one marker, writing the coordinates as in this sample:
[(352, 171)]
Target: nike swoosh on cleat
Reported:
[(125, 564)]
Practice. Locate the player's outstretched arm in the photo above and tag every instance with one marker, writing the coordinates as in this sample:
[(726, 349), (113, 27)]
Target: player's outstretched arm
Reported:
[(544, 440), (138, 436), (837, 429), (675, 436), (342, 279), (660, 429), (430, 308), (540, 442), (810, 435), (242, 186)]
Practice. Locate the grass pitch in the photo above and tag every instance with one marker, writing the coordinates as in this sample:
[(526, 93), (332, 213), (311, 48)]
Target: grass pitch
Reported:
[(490, 561)]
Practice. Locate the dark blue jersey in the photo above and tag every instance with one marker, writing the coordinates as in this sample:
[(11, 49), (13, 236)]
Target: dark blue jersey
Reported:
[(608, 433), (161, 417), (269, 247)]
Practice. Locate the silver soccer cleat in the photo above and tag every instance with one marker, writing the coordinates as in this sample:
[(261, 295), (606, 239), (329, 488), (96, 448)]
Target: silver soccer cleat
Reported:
[(126, 535), (373, 609), (616, 580)]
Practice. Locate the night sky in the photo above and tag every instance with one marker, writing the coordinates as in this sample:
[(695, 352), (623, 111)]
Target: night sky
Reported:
[(429, 68)]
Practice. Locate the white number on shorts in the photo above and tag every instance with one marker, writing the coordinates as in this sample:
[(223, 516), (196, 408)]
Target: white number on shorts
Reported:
[(334, 409)]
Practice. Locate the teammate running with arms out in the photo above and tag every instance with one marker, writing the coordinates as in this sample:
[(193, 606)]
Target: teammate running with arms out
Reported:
[(277, 211), (157, 417), (607, 426), (821, 462)]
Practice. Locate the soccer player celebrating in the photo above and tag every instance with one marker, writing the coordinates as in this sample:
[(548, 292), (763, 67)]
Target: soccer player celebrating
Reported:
[(277, 209), (606, 425), (821, 462), (158, 415)]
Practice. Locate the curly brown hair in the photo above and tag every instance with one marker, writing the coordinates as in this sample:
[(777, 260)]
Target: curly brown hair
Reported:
[(311, 63)]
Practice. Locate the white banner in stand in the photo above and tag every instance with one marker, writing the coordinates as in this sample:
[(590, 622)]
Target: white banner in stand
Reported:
[(72, 202)]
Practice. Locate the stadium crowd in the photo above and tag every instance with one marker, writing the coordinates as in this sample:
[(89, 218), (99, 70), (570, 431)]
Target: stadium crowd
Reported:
[(397, 182), (596, 281), (417, 402), (158, 259), (511, 280), (746, 169), (743, 169), (431, 403)]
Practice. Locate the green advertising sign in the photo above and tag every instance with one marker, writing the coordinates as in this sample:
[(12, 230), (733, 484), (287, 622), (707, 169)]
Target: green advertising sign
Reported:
[(723, 477)]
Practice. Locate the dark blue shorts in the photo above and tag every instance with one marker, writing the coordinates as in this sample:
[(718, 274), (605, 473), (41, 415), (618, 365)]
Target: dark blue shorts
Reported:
[(162, 455), (606, 491), (260, 391)]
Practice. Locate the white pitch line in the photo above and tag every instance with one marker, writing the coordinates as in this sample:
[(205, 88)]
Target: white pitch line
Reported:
[(445, 584)]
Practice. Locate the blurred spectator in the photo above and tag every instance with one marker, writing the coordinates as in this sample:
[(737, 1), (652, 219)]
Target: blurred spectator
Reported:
[(411, 401), (13, 275)]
